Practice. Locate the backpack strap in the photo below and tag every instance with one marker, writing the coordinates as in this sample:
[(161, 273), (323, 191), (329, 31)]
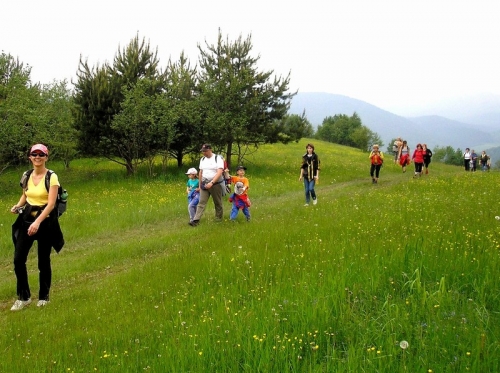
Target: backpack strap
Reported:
[(47, 179), (26, 175), (24, 179)]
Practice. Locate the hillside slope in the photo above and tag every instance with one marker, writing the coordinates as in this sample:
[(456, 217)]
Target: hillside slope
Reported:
[(334, 287), (433, 130)]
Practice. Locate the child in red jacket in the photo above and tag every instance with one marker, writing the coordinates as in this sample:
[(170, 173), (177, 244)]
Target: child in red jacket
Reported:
[(418, 159), (240, 198)]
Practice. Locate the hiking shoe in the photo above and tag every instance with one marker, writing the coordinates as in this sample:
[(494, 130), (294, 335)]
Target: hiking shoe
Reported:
[(194, 223), (315, 201), (42, 303), (20, 304)]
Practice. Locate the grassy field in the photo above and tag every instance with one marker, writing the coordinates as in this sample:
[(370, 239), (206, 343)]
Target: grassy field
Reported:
[(401, 276)]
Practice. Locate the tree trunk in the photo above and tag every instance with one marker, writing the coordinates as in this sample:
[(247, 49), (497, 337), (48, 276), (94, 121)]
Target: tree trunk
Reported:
[(130, 167), (179, 159), (228, 154)]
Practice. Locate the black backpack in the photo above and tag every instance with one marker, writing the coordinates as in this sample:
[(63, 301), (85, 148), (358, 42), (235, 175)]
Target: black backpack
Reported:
[(62, 194)]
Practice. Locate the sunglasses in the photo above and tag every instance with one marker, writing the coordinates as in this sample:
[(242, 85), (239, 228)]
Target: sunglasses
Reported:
[(41, 155)]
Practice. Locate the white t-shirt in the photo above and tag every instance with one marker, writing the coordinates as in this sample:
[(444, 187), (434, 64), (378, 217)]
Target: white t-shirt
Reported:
[(209, 166)]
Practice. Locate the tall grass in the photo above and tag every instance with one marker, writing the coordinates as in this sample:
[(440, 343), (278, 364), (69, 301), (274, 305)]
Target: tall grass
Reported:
[(333, 287)]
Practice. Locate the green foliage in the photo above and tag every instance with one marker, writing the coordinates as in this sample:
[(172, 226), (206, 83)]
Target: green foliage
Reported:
[(59, 132), (293, 127), (344, 130), (144, 124), (100, 93), (448, 155), (241, 104), (20, 104), (181, 91), (33, 114)]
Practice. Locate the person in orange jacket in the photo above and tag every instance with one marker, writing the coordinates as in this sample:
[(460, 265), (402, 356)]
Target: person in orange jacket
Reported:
[(376, 159)]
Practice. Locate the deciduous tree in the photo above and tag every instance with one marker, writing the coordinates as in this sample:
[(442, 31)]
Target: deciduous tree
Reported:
[(349, 131), (293, 127), (143, 124), (57, 114), (20, 104)]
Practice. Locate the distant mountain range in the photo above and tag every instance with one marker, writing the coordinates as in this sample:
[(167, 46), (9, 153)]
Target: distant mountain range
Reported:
[(479, 129)]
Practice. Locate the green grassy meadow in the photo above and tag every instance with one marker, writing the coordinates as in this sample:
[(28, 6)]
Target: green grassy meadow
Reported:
[(335, 287)]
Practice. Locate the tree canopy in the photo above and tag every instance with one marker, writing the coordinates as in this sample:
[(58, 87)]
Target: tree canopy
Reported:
[(241, 105), (349, 131), (30, 113), (100, 92)]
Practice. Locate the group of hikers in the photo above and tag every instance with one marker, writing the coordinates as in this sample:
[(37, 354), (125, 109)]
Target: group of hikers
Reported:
[(37, 212), (421, 158), (471, 158), (38, 216), (213, 180)]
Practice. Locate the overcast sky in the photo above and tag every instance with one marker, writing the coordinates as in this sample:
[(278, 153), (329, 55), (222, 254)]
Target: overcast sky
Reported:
[(396, 54)]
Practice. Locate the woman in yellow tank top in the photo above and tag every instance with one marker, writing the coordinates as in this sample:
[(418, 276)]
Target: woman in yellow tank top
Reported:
[(35, 222)]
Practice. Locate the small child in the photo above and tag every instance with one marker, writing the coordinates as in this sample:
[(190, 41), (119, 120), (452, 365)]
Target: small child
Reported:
[(240, 198), (193, 192)]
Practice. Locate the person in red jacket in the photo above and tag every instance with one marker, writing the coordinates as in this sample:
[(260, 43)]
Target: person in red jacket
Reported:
[(404, 155), (418, 159)]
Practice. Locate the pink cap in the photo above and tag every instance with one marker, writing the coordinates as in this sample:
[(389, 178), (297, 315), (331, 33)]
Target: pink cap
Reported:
[(39, 147)]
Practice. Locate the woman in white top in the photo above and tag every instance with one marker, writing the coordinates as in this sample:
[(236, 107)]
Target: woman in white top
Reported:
[(467, 156)]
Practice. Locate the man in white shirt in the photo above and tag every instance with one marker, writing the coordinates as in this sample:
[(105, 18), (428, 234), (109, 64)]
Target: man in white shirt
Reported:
[(211, 168)]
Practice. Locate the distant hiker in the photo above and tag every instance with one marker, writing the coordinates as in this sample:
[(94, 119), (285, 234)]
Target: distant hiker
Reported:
[(467, 158), (418, 160), (395, 149), (484, 161), (427, 157), (376, 160), (309, 171), (210, 177), (193, 192), (36, 221), (404, 155), (473, 161)]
